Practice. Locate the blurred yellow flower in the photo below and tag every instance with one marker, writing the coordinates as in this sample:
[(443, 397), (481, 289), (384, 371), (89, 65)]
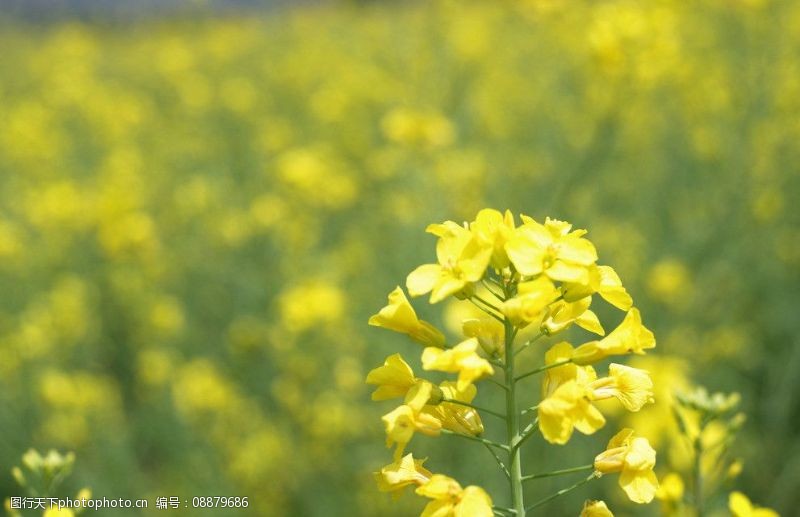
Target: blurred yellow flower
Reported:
[(56, 512), (671, 488), (595, 509), (740, 506)]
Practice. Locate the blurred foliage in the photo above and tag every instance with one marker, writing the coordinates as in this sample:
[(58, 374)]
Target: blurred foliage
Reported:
[(198, 216)]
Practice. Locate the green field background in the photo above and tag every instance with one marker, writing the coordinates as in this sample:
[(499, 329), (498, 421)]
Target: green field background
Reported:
[(199, 214)]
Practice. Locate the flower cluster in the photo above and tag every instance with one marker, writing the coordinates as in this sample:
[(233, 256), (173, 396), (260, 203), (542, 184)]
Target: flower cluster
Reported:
[(531, 281), (703, 455)]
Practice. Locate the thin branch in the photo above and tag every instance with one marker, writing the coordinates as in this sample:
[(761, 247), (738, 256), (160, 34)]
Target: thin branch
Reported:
[(543, 368), (528, 410), (529, 342), (558, 472), (497, 383), (497, 295), (476, 439), (563, 491), (526, 433), (493, 315), (499, 461)]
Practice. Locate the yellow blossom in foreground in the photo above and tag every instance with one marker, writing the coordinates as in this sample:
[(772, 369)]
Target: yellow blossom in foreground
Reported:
[(630, 337), (405, 420), (604, 281), (456, 417), (595, 509), (631, 386), (393, 379), (400, 316), (462, 359), (462, 260), (488, 332), (551, 248), (494, 229), (400, 474), (531, 301), (740, 506), (634, 459), (450, 500), (568, 408), (561, 315)]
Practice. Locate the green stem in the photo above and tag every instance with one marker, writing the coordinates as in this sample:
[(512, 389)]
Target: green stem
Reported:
[(563, 491), (526, 433), (529, 342), (543, 368), (497, 295), (476, 439), (512, 417), (493, 315), (528, 410), (498, 384), (499, 461), (490, 305), (558, 472), (477, 408), (698, 475)]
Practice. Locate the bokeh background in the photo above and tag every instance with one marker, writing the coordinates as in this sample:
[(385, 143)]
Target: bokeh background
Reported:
[(201, 206)]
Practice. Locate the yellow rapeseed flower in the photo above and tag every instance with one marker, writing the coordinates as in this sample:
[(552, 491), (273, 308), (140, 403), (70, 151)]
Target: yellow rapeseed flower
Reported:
[(671, 488), (630, 337), (393, 379), (532, 299), (400, 474), (489, 333), (450, 500), (551, 248), (740, 506), (595, 509), (494, 229), (604, 281), (634, 459), (400, 316), (403, 422), (462, 260), (562, 314), (631, 386), (456, 417), (462, 359), (568, 408), (56, 512)]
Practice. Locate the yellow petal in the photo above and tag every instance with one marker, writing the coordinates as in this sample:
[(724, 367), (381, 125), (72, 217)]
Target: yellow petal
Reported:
[(640, 486), (423, 279)]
